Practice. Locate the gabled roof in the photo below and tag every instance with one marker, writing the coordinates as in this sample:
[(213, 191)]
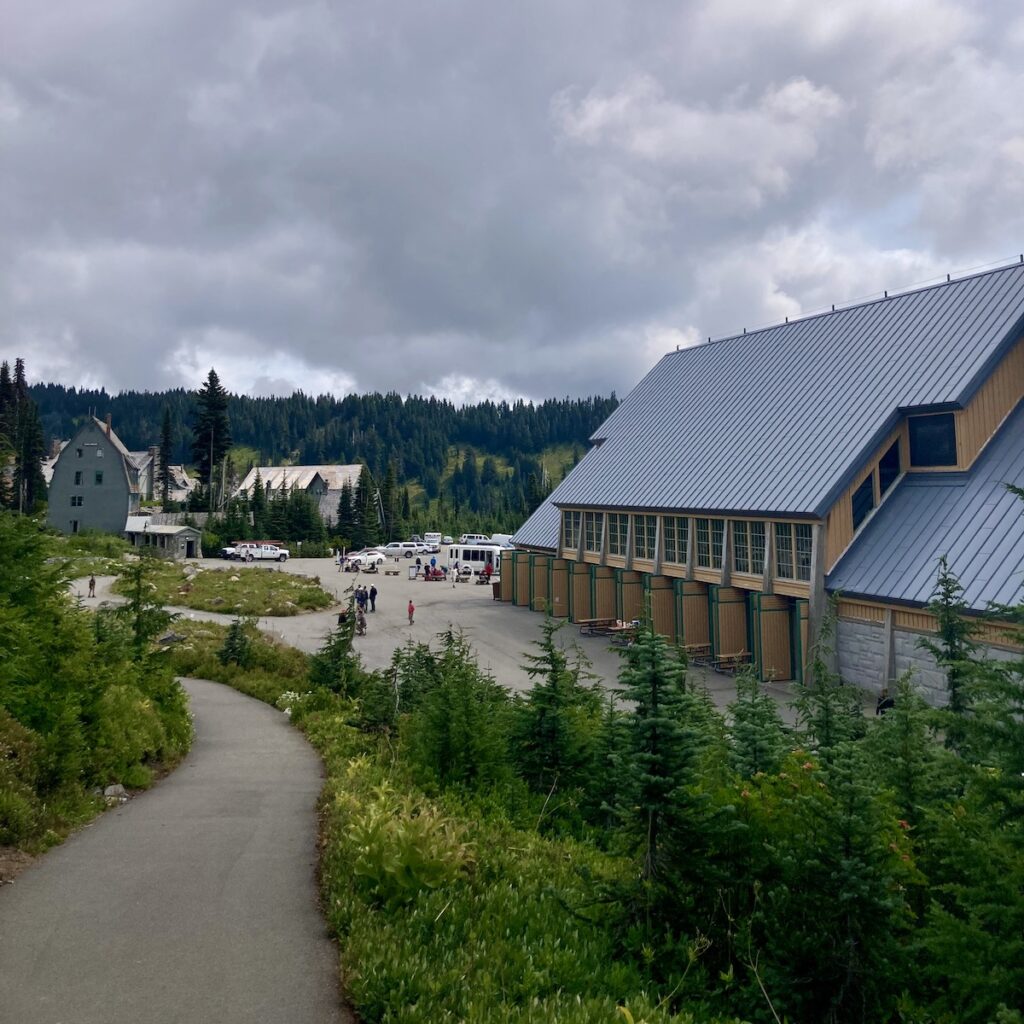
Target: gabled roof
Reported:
[(301, 476), (541, 530), (114, 439), (969, 517), (779, 420)]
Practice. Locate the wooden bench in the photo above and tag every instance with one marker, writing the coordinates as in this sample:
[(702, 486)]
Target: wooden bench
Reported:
[(731, 663), (391, 572), (595, 627)]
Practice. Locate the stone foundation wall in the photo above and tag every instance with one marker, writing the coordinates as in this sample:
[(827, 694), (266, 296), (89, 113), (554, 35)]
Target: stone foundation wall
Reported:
[(860, 648), (860, 653)]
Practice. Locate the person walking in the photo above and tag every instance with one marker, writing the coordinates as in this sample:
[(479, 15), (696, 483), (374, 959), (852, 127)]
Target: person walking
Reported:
[(412, 611), (360, 623), (373, 599), (92, 586)]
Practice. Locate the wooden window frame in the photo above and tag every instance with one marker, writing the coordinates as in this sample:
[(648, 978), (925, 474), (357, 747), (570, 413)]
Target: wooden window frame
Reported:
[(676, 538), (593, 529), (571, 519), (740, 546), (618, 533), (645, 536)]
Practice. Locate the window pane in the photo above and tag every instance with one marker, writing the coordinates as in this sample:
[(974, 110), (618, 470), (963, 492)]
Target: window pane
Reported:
[(717, 542), (784, 551), (803, 551), (757, 547), (643, 536), (704, 543), (593, 527), (889, 468), (740, 547), (863, 502), (570, 529), (618, 531), (933, 440)]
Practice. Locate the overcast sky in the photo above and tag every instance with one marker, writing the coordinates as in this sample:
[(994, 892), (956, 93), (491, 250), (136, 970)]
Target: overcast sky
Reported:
[(478, 199)]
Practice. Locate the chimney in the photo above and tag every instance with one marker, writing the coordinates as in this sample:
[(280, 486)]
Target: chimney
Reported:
[(108, 424)]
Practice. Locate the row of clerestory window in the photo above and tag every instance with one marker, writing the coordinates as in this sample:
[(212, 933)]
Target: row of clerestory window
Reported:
[(793, 541)]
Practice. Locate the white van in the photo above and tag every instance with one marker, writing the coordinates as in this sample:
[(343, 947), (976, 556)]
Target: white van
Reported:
[(433, 542), (474, 538), (476, 557)]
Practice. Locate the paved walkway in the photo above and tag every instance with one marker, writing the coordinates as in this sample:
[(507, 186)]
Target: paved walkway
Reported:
[(194, 902)]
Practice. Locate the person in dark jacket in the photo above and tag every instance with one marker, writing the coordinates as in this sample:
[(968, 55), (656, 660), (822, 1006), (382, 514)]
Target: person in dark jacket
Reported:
[(373, 599)]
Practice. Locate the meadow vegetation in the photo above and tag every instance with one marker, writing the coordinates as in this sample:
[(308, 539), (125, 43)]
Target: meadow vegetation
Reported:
[(86, 700), (555, 857), (235, 590)]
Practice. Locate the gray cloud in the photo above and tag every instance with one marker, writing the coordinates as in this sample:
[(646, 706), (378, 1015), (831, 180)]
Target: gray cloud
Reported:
[(466, 199)]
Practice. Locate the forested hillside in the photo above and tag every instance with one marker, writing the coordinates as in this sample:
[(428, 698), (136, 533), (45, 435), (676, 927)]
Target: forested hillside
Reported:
[(416, 433)]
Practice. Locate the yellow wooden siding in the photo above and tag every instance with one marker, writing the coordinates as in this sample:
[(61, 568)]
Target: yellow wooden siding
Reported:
[(539, 593), (775, 640), (559, 595), (631, 599), (860, 610), (994, 401), (663, 612), (580, 583), (604, 590), (731, 629), (696, 626), (839, 518), (747, 580), (707, 575), (506, 581), (522, 570), (792, 588)]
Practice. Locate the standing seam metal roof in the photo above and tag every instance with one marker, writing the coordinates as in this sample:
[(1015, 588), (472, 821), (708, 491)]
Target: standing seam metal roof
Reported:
[(779, 420), (969, 517)]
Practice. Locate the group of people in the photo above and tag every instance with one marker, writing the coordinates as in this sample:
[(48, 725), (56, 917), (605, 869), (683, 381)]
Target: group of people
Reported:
[(366, 599)]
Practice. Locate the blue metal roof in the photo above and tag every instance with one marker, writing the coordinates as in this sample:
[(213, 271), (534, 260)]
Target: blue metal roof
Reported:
[(779, 420), (541, 530), (970, 518)]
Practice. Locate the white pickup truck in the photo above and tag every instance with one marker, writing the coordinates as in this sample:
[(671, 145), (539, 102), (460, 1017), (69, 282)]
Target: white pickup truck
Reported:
[(258, 552)]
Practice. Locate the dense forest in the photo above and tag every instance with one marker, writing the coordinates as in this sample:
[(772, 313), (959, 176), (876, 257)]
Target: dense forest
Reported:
[(414, 432)]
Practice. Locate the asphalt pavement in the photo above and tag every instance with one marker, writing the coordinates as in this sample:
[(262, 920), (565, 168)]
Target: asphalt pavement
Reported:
[(194, 902)]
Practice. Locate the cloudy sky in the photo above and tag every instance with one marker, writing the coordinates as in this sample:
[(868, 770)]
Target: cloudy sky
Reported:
[(478, 199)]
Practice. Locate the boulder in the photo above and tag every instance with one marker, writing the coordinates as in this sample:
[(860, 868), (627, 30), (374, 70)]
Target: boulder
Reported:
[(115, 794)]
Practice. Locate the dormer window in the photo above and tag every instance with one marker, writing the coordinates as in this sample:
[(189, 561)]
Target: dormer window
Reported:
[(932, 440)]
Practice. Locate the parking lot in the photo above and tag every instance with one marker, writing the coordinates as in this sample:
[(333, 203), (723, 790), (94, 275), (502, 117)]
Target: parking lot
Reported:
[(500, 633)]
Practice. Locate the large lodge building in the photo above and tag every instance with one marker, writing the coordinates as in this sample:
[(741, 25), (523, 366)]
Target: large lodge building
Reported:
[(745, 480)]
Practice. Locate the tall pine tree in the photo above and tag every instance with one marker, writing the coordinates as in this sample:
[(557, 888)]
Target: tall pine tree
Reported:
[(166, 457), (211, 432)]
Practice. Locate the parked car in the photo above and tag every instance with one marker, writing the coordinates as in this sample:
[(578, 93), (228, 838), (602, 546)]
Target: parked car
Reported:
[(405, 548), (446, 539), (364, 559), (253, 552), (474, 538), (229, 551), (433, 539)]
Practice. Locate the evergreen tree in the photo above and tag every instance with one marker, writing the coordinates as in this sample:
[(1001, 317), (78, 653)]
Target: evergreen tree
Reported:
[(758, 740), (144, 614), (258, 507), (345, 526), (559, 719), (390, 503), (211, 432), (166, 459), (954, 648)]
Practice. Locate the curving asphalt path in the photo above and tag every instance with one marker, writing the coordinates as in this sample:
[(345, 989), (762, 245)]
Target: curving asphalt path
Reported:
[(194, 902)]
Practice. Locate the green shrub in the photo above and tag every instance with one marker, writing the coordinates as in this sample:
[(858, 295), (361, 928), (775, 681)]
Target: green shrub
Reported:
[(19, 812)]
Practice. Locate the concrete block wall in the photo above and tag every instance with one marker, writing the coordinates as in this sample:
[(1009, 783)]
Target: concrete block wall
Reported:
[(860, 652)]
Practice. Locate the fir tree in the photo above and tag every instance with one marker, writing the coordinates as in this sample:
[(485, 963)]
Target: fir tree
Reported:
[(558, 719), (166, 459), (211, 432), (758, 739), (345, 526), (258, 507), (954, 648)]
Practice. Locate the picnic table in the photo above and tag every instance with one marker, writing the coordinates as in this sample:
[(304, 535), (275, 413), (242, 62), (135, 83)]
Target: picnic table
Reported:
[(698, 653), (595, 627), (622, 633), (731, 663)]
